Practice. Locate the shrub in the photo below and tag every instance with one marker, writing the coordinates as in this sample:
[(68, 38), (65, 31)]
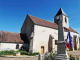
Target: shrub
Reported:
[(71, 55), (54, 55), (12, 52), (33, 54), (72, 58), (22, 52), (6, 52)]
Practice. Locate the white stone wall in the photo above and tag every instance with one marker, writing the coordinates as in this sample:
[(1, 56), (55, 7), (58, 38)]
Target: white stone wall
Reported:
[(41, 37), (27, 27), (65, 24), (12, 46)]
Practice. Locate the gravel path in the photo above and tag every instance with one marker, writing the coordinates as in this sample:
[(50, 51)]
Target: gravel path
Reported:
[(74, 53)]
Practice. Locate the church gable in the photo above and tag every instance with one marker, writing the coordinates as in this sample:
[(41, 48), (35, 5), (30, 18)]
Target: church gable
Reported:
[(27, 25)]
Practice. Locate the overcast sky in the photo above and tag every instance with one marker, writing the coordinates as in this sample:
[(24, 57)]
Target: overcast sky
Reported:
[(14, 12)]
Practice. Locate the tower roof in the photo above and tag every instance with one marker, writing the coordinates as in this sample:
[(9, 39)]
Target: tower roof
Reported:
[(61, 12)]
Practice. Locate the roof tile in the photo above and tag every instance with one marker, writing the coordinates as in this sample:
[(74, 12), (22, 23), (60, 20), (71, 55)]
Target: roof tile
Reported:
[(13, 37)]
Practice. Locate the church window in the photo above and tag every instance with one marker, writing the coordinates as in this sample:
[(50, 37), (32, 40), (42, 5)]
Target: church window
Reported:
[(65, 19), (56, 41), (17, 46)]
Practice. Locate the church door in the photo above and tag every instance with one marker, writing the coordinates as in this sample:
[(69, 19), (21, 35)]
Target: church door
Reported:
[(42, 49), (75, 47)]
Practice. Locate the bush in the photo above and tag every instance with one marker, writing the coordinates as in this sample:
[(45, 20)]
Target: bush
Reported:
[(12, 52), (71, 55), (22, 52), (54, 55), (72, 58), (33, 54), (6, 52)]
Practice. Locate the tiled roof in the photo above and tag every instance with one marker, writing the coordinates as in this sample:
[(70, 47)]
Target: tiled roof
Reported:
[(45, 23), (13, 37)]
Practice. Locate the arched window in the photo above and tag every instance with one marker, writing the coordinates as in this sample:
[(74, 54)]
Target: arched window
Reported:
[(65, 19)]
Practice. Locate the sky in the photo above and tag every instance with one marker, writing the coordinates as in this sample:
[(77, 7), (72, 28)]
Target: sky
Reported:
[(14, 12)]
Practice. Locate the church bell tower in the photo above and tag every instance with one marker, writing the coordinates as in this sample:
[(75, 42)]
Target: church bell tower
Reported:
[(65, 20)]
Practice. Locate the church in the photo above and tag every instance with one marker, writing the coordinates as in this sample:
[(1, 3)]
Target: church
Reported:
[(38, 35)]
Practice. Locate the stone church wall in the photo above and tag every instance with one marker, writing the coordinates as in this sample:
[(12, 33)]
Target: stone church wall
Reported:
[(27, 27), (41, 37)]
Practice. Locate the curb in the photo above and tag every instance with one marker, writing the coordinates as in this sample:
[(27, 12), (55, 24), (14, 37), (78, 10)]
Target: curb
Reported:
[(18, 56)]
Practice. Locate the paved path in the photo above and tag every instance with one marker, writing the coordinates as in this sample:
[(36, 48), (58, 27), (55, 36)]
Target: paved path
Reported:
[(74, 53), (33, 58)]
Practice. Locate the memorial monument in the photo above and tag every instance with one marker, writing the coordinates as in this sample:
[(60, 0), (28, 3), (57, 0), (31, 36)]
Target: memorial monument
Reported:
[(61, 44)]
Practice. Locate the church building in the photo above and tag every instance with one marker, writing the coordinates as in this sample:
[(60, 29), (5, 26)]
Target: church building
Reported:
[(40, 35)]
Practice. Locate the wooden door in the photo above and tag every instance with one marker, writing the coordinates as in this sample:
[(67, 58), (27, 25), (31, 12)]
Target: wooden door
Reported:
[(42, 49)]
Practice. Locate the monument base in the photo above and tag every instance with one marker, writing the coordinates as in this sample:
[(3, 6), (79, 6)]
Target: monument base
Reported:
[(62, 57), (61, 51)]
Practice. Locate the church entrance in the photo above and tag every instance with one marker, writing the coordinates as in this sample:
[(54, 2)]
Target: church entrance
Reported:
[(75, 47), (42, 49), (50, 44)]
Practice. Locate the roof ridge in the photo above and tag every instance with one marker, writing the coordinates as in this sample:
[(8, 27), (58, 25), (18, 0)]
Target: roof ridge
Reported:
[(43, 19), (10, 32), (46, 23)]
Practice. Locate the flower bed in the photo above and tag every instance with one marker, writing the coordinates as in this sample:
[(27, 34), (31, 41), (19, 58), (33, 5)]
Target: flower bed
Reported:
[(73, 58)]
